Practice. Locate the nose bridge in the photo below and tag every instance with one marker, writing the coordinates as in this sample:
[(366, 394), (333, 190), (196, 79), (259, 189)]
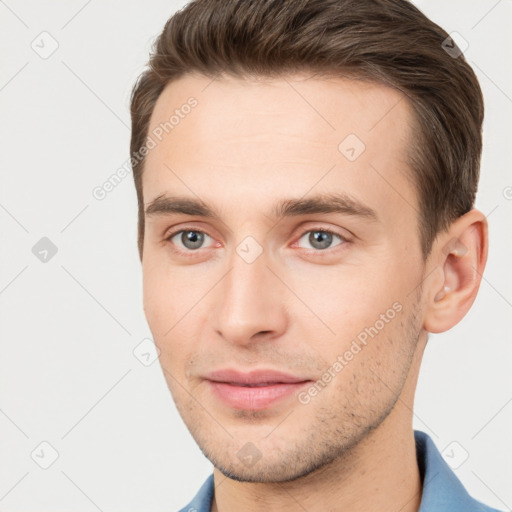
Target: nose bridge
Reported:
[(249, 298)]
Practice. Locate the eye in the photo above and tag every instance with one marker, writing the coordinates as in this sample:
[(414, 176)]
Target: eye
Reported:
[(321, 239), (190, 239)]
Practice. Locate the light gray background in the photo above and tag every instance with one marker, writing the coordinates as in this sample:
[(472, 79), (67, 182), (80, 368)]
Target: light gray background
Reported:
[(69, 326)]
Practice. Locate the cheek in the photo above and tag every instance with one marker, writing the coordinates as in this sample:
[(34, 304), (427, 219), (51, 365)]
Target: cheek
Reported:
[(169, 297), (165, 288), (161, 298), (363, 315), (156, 301), (347, 299)]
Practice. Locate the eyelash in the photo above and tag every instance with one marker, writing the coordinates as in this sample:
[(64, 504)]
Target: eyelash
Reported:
[(344, 240)]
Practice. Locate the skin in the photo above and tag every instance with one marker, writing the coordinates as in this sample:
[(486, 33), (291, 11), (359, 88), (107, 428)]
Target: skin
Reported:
[(297, 307)]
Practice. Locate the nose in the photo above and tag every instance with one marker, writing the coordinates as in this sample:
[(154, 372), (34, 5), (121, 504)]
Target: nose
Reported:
[(250, 303)]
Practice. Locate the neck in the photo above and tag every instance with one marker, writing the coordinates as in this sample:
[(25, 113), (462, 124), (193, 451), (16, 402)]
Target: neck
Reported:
[(388, 480)]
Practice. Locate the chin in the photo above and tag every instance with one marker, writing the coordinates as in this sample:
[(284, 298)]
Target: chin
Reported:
[(266, 470)]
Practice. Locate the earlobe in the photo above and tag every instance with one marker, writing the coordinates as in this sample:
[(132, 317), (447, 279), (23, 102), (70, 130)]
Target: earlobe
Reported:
[(460, 255)]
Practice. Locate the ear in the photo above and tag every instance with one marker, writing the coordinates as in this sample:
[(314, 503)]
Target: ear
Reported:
[(460, 255)]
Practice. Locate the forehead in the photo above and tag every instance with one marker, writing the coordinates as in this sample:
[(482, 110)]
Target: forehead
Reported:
[(310, 107), (265, 136)]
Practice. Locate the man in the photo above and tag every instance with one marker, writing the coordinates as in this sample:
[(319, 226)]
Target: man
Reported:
[(306, 174)]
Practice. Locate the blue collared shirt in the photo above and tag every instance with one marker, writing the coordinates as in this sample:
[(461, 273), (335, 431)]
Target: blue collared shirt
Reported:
[(442, 489)]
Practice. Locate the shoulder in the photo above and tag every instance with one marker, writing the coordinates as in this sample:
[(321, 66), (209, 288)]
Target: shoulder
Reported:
[(442, 489), (203, 499)]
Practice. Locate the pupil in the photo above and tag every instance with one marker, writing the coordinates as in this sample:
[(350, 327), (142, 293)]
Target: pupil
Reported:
[(192, 239), (320, 239)]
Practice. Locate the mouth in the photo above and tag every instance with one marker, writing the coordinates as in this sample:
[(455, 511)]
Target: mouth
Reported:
[(255, 385), (256, 390)]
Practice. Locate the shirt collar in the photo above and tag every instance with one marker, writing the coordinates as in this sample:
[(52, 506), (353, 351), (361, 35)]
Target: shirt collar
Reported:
[(442, 490)]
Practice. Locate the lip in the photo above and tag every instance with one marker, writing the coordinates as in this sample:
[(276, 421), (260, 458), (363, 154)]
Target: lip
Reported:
[(255, 390)]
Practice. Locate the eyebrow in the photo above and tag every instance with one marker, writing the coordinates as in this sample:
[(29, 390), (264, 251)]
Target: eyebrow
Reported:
[(323, 203)]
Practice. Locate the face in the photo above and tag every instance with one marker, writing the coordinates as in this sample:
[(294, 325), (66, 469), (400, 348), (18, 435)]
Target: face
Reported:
[(281, 265)]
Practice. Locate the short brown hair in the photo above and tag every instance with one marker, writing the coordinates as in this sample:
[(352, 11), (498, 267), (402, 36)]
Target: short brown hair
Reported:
[(385, 41)]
